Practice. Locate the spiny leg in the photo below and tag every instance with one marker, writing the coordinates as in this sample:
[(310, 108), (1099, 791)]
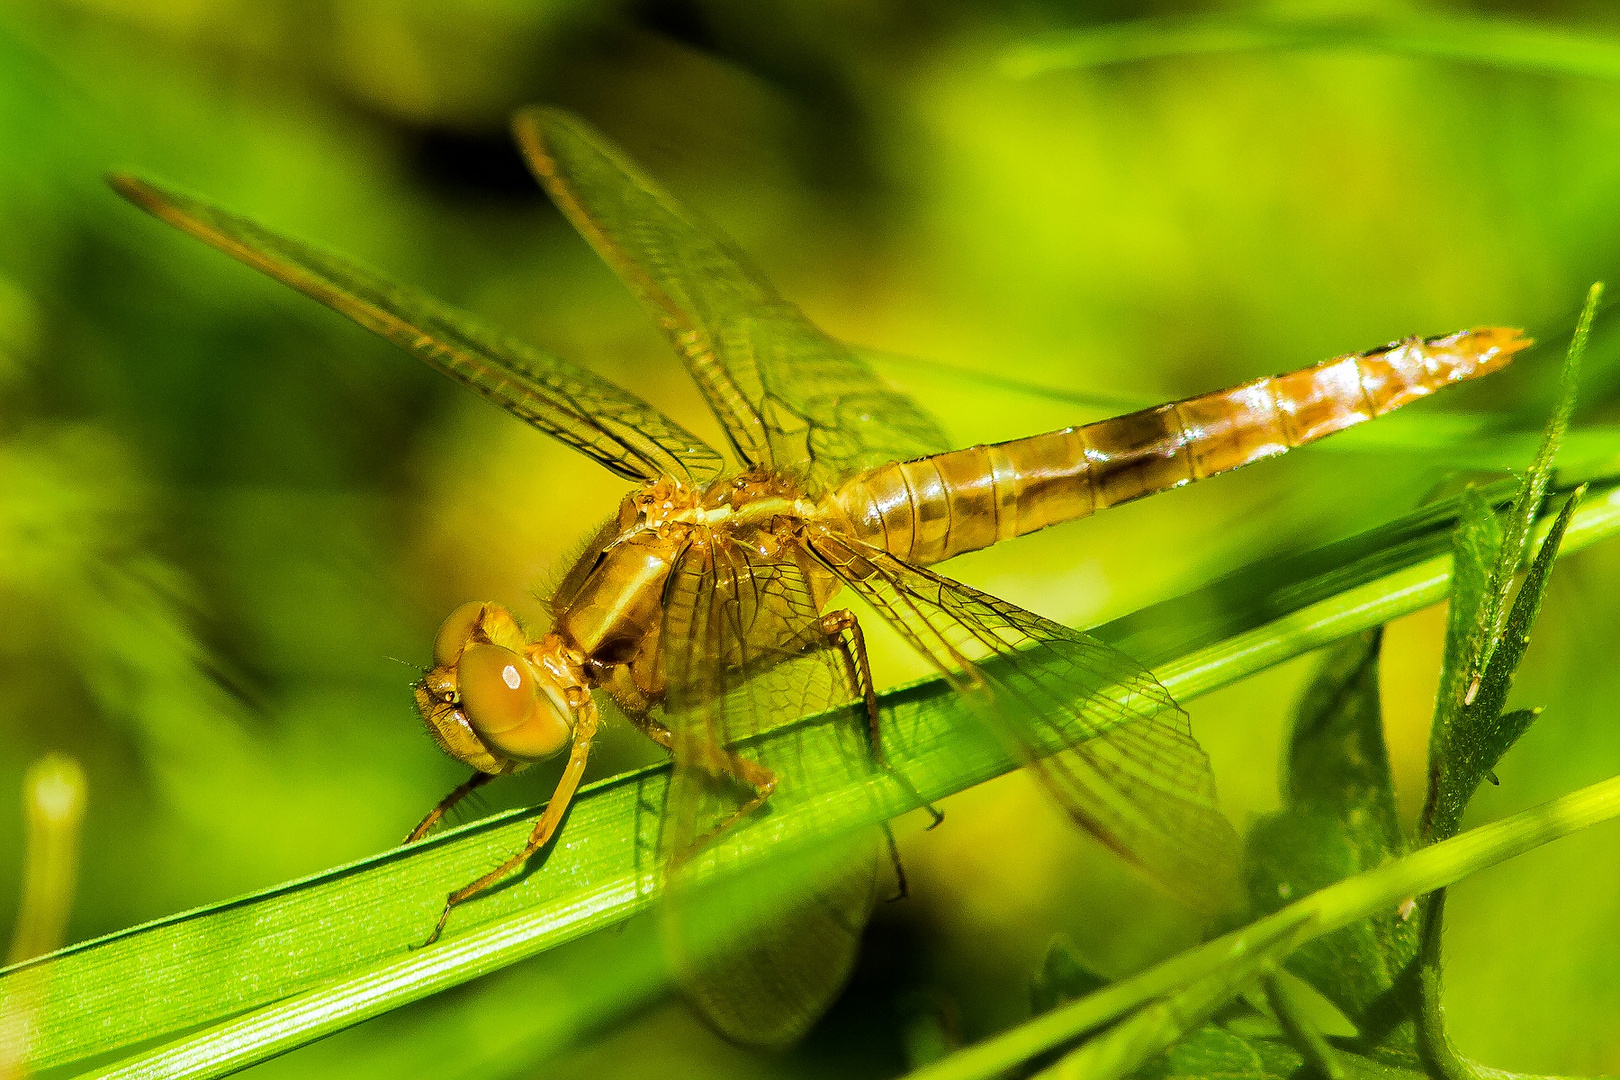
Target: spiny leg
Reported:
[(651, 728), (843, 628), (584, 732), (446, 804), (761, 779), (901, 889)]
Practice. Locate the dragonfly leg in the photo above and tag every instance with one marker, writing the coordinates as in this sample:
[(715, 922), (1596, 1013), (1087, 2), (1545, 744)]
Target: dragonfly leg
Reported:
[(476, 781), (584, 732), (844, 628), (752, 773), (901, 889), (655, 731)]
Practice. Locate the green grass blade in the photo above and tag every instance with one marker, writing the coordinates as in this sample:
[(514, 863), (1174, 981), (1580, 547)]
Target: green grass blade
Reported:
[(1128, 1045), (1302, 1032), (1323, 912), (334, 949), (1382, 585), (1511, 44)]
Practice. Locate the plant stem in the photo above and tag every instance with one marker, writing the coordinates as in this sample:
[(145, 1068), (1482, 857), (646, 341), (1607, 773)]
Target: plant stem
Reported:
[(53, 800)]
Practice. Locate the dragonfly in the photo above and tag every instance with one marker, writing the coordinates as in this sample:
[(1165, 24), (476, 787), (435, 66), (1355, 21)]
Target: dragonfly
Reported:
[(708, 607)]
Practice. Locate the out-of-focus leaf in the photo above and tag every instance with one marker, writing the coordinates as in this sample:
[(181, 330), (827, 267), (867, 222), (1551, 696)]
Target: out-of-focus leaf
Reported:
[(1338, 819), (1214, 1051), (928, 1027), (53, 802), (1336, 757), (1062, 976), (1254, 595)]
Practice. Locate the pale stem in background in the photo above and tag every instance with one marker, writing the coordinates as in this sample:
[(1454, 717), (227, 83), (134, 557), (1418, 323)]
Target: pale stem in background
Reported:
[(53, 807)]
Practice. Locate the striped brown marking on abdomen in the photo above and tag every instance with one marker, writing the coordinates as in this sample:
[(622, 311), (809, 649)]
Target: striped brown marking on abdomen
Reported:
[(927, 510)]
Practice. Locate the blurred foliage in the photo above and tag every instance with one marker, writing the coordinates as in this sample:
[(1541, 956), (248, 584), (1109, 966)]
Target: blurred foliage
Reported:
[(223, 512)]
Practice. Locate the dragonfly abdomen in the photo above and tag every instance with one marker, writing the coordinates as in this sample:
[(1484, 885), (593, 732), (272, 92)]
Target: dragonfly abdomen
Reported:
[(932, 508)]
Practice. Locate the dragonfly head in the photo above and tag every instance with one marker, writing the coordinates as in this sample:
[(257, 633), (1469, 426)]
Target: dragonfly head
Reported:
[(493, 699)]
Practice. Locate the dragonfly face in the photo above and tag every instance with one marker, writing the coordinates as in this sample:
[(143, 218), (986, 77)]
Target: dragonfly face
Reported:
[(493, 699)]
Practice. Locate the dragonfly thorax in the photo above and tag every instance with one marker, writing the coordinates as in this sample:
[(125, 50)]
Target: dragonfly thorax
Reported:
[(612, 611), (750, 500)]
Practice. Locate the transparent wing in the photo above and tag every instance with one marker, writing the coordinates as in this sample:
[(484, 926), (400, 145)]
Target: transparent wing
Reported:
[(608, 424), (787, 394), (761, 955), (1098, 730)]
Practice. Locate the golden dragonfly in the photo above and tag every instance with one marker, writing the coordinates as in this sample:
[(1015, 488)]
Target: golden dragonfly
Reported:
[(705, 608)]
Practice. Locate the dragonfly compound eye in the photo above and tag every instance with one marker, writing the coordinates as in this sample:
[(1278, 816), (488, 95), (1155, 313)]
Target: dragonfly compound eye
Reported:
[(513, 706), (472, 622), (455, 632)]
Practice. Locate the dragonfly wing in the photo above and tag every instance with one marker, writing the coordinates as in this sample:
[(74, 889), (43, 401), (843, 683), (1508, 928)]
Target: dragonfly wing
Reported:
[(606, 423), (798, 954), (787, 394), (1097, 729), (760, 955)]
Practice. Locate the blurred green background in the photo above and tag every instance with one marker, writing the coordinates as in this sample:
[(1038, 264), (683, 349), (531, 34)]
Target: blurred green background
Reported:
[(230, 521)]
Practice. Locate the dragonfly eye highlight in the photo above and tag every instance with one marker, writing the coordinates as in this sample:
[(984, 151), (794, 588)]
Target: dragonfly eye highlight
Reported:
[(514, 706)]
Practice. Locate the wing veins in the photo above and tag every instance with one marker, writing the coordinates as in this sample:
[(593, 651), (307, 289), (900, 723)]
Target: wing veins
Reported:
[(1116, 753), (756, 357), (608, 424)]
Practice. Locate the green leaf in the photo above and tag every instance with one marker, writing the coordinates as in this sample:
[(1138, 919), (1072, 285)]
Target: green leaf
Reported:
[(1062, 977), (1476, 547), (1338, 819), (1301, 1030), (1214, 1051), (1527, 503), (1336, 757), (1218, 1052), (1485, 635), (1485, 640), (1474, 735)]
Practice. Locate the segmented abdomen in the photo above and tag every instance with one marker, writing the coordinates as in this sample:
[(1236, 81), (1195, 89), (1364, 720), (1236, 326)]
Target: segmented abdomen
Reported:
[(932, 508)]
